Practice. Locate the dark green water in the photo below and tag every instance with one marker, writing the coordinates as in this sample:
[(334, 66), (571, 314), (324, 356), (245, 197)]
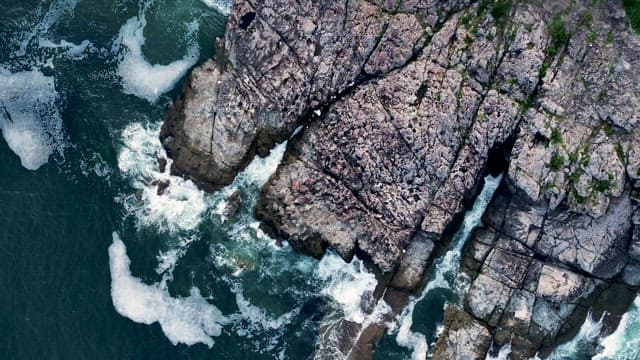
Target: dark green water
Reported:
[(80, 124), (84, 86)]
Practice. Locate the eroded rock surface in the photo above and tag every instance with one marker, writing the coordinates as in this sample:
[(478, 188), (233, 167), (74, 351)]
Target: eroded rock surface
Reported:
[(399, 153), (405, 105), (560, 232), (464, 337), (526, 297)]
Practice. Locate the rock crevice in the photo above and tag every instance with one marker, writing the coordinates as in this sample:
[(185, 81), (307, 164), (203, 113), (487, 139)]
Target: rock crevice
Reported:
[(404, 105)]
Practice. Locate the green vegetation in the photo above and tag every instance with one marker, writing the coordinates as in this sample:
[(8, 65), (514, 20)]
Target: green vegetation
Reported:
[(587, 19), (556, 136), (609, 37), (465, 19), (557, 162), (468, 40), (573, 157), (500, 9), (574, 177), (544, 68), (632, 8), (602, 95), (526, 104), (620, 152), (579, 198), (559, 35), (602, 185)]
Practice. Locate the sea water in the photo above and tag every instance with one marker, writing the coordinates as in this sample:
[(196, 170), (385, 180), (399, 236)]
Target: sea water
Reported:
[(95, 264)]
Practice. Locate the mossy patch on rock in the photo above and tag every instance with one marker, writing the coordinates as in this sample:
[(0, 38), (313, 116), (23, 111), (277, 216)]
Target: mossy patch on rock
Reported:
[(632, 8)]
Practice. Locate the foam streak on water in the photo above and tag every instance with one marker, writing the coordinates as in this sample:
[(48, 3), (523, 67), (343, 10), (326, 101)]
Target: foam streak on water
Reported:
[(503, 354), (256, 316), (624, 343), (347, 284), (223, 6), (71, 50), (30, 122), (187, 320), (180, 207), (57, 9), (141, 78), (445, 271), (585, 340)]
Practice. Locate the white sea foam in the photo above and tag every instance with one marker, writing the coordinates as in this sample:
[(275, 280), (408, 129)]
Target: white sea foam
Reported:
[(624, 343), (257, 316), (346, 284), (96, 165), (413, 340), (252, 178), (223, 6), (71, 50), (377, 316), (182, 205), (445, 272), (187, 320), (503, 354), (29, 119), (350, 288), (260, 169), (141, 78), (57, 10), (588, 334), (137, 160), (167, 260)]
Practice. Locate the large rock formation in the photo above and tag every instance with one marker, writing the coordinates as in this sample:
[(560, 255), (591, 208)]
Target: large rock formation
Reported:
[(404, 106), (530, 296), (394, 158)]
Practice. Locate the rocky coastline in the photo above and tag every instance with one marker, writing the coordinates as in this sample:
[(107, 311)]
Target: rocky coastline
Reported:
[(395, 110)]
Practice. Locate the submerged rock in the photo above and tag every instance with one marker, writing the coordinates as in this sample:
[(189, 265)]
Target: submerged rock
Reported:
[(162, 163), (161, 186), (233, 205)]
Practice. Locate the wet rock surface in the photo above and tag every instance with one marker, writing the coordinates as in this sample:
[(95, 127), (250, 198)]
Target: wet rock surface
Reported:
[(526, 297), (405, 106), (463, 338)]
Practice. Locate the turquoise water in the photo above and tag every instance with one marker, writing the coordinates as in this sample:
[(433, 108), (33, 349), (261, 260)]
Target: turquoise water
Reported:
[(93, 262)]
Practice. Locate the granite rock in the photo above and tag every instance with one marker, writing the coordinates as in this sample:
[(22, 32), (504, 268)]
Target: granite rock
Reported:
[(403, 106)]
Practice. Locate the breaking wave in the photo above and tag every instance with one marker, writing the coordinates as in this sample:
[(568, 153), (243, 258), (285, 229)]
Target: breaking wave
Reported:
[(445, 272), (223, 6), (624, 343), (347, 284), (141, 78), (180, 206), (189, 320), (585, 341)]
